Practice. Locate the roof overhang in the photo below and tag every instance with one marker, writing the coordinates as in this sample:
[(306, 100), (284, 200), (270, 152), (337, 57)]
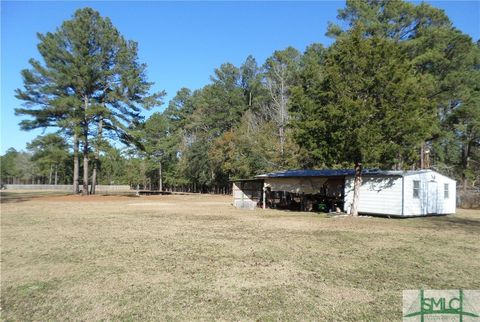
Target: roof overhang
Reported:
[(246, 180), (337, 173)]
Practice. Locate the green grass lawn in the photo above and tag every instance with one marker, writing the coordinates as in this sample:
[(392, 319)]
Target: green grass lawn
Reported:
[(195, 257)]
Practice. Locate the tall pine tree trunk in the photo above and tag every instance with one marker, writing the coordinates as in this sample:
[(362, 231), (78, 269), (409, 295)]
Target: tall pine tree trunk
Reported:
[(97, 157), (85, 165), (356, 189), (76, 166), (56, 174), (50, 175), (160, 181), (94, 175), (85, 150), (465, 163)]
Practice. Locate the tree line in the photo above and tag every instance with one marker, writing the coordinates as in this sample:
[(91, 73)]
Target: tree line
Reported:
[(399, 88)]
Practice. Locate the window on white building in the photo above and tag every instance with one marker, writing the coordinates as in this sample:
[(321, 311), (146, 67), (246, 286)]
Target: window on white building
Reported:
[(445, 190), (416, 189)]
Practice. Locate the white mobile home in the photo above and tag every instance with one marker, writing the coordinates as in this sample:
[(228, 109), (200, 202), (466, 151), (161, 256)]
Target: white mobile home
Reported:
[(390, 193), (403, 193)]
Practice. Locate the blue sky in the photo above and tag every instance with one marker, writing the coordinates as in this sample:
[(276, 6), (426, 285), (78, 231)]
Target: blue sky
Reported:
[(181, 42)]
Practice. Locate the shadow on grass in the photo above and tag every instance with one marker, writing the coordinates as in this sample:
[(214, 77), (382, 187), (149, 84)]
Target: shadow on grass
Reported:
[(450, 222), (22, 196), (440, 222), (106, 194), (16, 196)]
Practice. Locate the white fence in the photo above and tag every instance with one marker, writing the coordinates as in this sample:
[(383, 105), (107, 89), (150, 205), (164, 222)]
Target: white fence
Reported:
[(66, 187)]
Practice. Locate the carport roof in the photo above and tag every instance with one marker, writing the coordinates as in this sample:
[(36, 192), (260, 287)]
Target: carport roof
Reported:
[(335, 173)]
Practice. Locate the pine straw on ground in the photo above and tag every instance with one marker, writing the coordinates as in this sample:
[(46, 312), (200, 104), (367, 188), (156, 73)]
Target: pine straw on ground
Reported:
[(195, 257)]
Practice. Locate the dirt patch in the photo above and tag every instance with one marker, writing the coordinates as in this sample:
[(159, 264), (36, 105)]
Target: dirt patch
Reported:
[(91, 198), (141, 204)]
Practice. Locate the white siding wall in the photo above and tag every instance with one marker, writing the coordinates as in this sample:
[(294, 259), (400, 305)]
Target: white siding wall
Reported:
[(378, 195), (422, 205), (415, 206), (450, 203), (246, 194)]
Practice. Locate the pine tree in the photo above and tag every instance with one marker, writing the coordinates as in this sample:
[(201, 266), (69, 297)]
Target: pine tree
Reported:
[(437, 50), (90, 77), (49, 153), (369, 106)]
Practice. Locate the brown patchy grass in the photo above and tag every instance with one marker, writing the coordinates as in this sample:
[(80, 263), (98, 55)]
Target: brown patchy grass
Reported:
[(195, 257)]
